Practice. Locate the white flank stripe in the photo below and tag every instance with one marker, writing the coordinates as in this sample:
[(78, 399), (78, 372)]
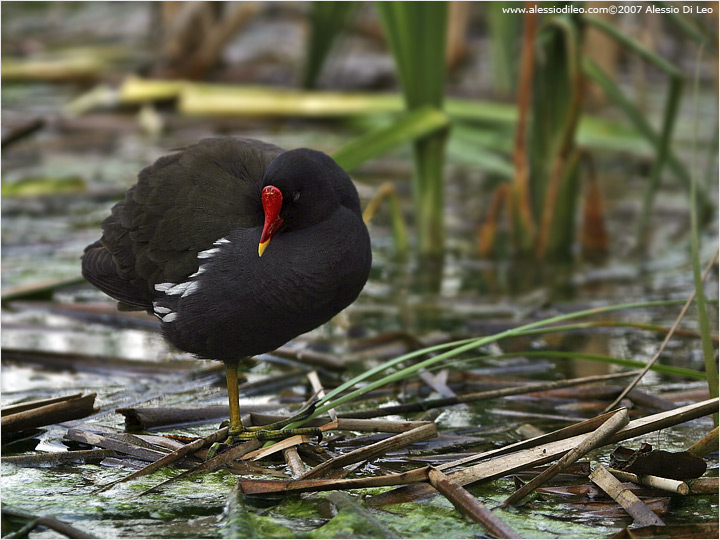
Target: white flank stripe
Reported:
[(169, 317), (221, 241), (208, 253), (196, 274), (179, 288), (161, 309), (191, 288), (162, 287)]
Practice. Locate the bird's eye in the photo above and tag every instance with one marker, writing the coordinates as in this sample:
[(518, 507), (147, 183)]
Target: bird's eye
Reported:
[(296, 196)]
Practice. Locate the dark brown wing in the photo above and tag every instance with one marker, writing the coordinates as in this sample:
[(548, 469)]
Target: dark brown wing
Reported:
[(179, 207)]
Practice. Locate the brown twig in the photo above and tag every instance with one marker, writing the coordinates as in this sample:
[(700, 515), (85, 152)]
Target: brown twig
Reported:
[(703, 486), (20, 131), (60, 458), (44, 521), (470, 506), (709, 443), (374, 450), (479, 396), (54, 413), (120, 442), (294, 462), (251, 487), (596, 439), (28, 405)]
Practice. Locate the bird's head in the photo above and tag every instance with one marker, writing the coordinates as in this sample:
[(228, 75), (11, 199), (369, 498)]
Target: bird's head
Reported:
[(299, 190)]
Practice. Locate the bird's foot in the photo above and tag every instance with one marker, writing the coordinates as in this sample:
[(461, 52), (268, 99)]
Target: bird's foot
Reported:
[(268, 432), (261, 434)]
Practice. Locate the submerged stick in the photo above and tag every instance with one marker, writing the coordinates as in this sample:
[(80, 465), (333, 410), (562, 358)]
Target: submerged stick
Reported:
[(374, 450), (624, 497), (53, 459), (596, 439), (479, 396), (667, 484), (44, 521), (470, 506)]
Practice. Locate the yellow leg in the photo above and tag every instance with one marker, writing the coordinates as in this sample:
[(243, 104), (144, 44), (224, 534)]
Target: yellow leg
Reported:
[(236, 425)]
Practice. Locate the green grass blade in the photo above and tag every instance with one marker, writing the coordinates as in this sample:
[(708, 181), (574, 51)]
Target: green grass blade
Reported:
[(455, 349), (690, 27), (663, 151), (624, 362), (629, 43), (707, 346), (504, 50), (407, 127), (416, 35)]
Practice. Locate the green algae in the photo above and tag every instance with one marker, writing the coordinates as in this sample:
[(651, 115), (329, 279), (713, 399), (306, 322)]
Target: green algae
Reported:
[(119, 512)]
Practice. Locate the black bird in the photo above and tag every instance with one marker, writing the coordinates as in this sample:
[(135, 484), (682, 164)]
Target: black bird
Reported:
[(237, 246)]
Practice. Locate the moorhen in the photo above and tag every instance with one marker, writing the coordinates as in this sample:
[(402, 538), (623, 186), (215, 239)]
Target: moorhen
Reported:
[(237, 246)]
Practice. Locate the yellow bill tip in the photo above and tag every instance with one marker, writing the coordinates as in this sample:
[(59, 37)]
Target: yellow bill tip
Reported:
[(262, 246)]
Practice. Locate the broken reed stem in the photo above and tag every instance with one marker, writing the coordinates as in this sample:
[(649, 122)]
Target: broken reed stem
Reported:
[(276, 446), (54, 459), (171, 458), (479, 396), (546, 448), (703, 486), (374, 450), (669, 335), (294, 462), (347, 424), (470, 506), (709, 443), (252, 487), (596, 439), (624, 497), (27, 405), (218, 461), (667, 484), (54, 413), (579, 428), (320, 391)]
